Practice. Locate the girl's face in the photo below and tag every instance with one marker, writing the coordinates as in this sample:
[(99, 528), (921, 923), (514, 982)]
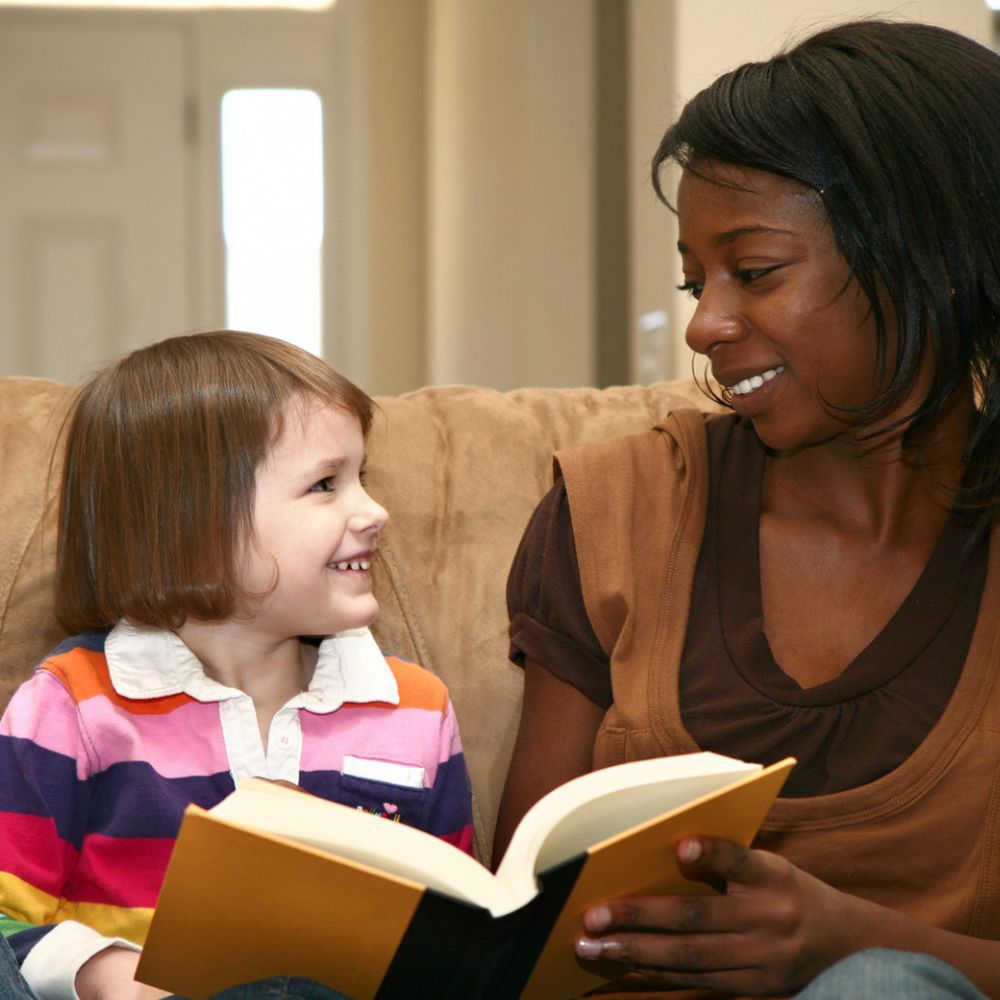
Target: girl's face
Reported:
[(779, 318), (316, 529)]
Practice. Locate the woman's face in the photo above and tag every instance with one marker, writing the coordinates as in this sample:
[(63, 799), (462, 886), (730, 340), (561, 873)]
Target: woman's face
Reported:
[(785, 328)]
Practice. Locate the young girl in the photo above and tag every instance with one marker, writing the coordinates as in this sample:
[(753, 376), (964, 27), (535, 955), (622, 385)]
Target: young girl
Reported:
[(213, 513)]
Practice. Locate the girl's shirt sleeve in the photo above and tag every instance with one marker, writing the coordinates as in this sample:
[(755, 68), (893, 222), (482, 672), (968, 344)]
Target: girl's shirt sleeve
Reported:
[(44, 800), (451, 807), (548, 619)]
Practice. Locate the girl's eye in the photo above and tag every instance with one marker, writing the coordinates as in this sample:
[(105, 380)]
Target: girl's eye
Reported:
[(323, 486), (693, 288), (363, 477)]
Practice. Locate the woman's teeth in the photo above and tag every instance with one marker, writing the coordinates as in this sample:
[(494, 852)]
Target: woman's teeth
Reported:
[(748, 385), (352, 564)]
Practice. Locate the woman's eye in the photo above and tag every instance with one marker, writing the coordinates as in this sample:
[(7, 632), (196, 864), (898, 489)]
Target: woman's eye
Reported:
[(749, 275), (363, 477), (323, 486), (693, 288)]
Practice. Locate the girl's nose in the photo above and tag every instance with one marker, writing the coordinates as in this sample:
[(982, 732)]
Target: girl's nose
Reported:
[(372, 515), (716, 320)]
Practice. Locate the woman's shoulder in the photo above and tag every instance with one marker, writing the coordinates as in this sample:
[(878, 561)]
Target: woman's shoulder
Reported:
[(672, 454), (682, 431)]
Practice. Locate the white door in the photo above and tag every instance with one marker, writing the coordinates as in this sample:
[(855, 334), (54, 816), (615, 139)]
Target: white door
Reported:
[(95, 190)]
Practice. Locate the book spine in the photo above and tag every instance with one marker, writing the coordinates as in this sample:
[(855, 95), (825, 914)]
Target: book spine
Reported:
[(555, 887), (454, 951), (450, 951)]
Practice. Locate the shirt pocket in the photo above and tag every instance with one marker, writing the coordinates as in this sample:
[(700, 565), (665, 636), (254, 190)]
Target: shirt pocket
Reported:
[(391, 789)]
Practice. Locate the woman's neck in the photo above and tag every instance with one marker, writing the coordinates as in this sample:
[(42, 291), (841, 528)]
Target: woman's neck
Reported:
[(880, 486)]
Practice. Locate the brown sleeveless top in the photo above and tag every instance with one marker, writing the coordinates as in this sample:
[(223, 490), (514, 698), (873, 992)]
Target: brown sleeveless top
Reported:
[(923, 838), (735, 699)]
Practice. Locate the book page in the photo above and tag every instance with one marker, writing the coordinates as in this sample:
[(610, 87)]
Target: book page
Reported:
[(595, 806), (372, 840)]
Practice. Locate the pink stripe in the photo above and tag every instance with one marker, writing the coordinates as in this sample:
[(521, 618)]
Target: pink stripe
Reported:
[(42, 710), (120, 871), (31, 849), (183, 742), (403, 735), (186, 741)]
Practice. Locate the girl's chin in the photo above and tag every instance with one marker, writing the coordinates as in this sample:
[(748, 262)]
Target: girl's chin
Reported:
[(359, 617)]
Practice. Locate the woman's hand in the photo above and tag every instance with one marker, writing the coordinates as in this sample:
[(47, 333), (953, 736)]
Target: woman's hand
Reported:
[(773, 930), (110, 975)]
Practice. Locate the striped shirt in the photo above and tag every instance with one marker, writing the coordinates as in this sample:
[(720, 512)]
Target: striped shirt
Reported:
[(102, 749)]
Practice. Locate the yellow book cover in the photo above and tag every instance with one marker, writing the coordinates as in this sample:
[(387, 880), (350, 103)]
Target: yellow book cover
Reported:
[(273, 881)]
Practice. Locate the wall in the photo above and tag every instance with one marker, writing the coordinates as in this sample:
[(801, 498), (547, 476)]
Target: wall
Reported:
[(490, 216), (537, 269), (510, 197)]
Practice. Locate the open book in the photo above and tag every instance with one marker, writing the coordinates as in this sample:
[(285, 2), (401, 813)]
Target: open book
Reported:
[(272, 881)]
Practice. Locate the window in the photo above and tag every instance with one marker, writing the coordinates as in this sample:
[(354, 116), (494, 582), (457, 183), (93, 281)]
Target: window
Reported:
[(272, 209)]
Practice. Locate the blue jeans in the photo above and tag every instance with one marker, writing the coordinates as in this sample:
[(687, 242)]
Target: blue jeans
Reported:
[(13, 986), (883, 973), (281, 988)]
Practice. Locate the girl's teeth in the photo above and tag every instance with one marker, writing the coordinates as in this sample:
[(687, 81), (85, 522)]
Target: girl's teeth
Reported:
[(748, 385), (353, 564)]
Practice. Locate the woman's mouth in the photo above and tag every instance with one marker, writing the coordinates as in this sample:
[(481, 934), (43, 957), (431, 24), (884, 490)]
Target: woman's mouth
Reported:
[(748, 385)]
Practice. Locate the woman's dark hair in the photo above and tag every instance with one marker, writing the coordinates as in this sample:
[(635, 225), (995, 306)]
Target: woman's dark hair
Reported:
[(897, 125), (160, 470)]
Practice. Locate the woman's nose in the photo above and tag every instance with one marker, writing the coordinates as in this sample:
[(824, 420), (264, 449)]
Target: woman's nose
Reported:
[(716, 320)]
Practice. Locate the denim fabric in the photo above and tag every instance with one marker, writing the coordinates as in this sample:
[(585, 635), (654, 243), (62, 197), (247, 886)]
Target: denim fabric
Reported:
[(12, 985), (281, 988), (884, 973)]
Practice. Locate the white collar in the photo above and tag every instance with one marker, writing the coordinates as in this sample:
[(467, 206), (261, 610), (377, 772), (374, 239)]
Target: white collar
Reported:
[(149, 663)]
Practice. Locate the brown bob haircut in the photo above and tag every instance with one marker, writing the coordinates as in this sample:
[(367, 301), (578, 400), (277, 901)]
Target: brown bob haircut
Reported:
[(160, 471)]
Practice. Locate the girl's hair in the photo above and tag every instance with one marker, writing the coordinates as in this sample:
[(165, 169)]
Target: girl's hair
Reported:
[(897, 126), (160, 470)]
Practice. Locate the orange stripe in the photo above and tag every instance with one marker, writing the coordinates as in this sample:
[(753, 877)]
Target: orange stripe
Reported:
[(85, 674), (418, 688)]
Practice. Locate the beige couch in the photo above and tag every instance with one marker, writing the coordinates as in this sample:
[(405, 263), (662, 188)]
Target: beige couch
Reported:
[(459, 470)]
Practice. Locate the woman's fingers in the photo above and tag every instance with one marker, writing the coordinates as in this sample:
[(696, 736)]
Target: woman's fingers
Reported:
[(675, 914), (752, 936), (719, 862)]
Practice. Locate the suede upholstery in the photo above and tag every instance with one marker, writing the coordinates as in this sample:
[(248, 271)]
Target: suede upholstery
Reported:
[(459, 469)]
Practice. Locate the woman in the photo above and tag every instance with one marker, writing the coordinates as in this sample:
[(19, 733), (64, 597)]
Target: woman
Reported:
[(815, 574)]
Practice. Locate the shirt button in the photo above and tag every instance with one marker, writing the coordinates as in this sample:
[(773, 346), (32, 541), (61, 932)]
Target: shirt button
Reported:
[(284, 741)]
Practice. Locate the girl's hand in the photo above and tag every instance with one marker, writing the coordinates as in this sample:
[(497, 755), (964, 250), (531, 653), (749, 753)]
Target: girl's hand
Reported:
[(110, 975), (773, 930)]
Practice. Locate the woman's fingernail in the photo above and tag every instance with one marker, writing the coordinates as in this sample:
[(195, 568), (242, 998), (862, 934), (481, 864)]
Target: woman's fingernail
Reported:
[(689, 850), (588, 948), (597, 918)]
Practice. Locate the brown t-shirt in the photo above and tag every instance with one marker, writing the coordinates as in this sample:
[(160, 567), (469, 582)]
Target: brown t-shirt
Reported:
[(735, 698)]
